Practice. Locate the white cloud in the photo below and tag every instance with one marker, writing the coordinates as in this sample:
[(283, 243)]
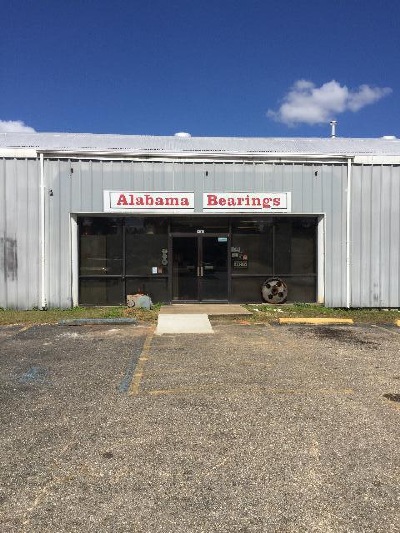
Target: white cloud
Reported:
[(14, 126), (305, 103)]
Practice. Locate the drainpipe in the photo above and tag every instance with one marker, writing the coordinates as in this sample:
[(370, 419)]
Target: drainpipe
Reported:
[(348, 235), (43, 300)]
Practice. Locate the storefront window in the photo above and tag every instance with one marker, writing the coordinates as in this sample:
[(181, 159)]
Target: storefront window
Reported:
[(120, 256), (146, 242), (283, 247), (100, 246), (126, 255), (295, 246), (252, 250)]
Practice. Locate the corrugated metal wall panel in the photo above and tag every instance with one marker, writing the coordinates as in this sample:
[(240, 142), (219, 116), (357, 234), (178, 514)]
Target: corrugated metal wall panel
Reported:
[(58, 247), (375, 236), (316, 189), (19, 234), (81, 191)]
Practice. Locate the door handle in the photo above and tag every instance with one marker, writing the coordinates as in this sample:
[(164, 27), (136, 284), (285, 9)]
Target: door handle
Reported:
[(200, 271)]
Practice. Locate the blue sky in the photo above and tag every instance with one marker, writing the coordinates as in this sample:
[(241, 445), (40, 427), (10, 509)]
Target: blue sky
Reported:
[(211, 68)]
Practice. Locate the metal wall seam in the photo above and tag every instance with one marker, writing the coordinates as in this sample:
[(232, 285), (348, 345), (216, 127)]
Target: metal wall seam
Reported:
[(42, 240), (348, 235)]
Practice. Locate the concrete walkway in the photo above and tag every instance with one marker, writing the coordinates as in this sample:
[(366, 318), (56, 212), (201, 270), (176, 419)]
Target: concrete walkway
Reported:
[(208, 309), (184, 323), (193, 318)]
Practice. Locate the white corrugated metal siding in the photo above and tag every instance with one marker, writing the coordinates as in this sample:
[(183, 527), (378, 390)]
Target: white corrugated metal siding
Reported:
[(375, 236), (316, 189), (19, 233)]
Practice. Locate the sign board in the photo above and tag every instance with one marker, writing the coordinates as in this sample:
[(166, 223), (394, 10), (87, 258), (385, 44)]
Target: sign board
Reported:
[(148, 202), (240, 264), (246, 202)]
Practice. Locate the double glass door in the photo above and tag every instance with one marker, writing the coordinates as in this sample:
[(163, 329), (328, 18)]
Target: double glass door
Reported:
[(200, 267)]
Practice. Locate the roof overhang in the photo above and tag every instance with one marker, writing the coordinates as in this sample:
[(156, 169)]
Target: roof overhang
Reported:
[(204, 156), (22, 153)]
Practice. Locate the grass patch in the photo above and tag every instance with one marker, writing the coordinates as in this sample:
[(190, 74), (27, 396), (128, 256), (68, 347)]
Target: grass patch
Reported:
[(268, 313), (52, 316), (261, 313)]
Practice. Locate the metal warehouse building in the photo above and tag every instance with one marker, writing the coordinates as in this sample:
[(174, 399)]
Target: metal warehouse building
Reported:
[(90, 219)]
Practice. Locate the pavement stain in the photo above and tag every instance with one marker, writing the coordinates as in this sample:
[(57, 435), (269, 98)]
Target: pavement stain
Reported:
[(35, 374), (107, 455), (348, 336)]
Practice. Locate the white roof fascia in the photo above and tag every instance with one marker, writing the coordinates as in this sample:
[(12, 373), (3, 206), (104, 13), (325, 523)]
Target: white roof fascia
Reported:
[(194, 156), (22, 153), (376, 160)]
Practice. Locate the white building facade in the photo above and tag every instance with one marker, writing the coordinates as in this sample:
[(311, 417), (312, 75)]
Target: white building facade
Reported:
[(90, 219)]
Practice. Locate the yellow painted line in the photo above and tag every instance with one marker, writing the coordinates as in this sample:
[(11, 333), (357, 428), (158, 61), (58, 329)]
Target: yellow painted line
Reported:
[(138, 375), (316, 321)]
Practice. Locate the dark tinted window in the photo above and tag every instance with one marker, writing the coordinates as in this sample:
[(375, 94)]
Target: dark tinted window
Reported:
[(252, 250), (146, 241), (100, 246)]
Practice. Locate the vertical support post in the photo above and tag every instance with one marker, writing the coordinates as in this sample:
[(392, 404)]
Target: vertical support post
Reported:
[(348, 235), (74, 261), (321, 260)]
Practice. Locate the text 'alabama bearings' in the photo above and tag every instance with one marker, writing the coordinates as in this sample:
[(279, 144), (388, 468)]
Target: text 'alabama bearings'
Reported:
[(244, 202)]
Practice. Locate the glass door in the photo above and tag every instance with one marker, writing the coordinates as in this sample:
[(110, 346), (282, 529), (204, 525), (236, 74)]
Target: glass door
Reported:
[(185, 281), (200, 268), (214, 268)]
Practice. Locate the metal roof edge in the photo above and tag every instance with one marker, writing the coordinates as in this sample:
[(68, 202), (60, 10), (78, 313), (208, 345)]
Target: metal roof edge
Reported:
[(22, 153), (377, 160), (195, 155)]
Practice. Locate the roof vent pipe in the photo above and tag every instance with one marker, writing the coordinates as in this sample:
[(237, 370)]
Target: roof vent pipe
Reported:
[(333, 128)]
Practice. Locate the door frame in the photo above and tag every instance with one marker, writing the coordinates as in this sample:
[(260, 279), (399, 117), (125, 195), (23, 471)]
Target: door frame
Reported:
[(200, 236)]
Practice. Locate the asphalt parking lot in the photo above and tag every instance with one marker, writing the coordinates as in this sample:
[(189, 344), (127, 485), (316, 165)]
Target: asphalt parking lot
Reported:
[(250, 429)]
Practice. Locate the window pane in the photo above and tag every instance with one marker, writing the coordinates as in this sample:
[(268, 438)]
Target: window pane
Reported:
[(146, 246), (247, 290), (100, 292), (184, 268), (214, 283), (100, 247), (145, 253), (302, 289), (148, 225), (192, 224), (156, 288), (251, 251), (295, 246)]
